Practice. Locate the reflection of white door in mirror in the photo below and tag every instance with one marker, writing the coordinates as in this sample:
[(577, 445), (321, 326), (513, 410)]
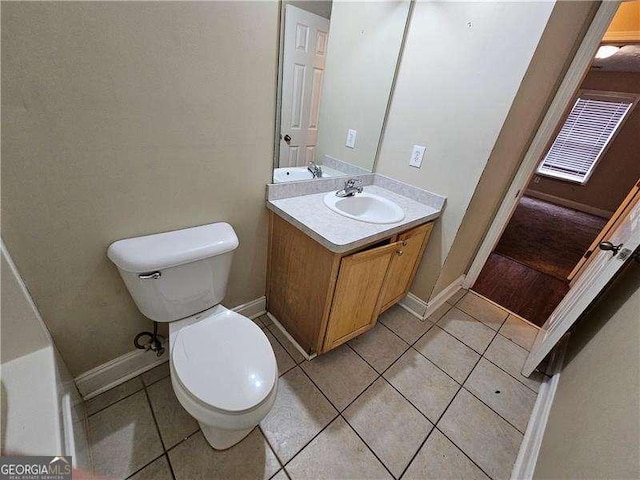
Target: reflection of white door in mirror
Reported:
[(304, 55)]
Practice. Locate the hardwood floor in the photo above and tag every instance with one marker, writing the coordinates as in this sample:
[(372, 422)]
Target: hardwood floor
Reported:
[(547, 237), (531, 294), (527, 272)]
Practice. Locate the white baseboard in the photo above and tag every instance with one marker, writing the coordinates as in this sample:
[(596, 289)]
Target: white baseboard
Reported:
[(439, 300), (563, 202), (290, 338), (252, 309), (117, 371), (422, 309), (414, 305), (125, 367), (527, 458)]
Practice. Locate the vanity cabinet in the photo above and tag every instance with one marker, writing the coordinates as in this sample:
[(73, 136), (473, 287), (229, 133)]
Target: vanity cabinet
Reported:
[(324, 299)]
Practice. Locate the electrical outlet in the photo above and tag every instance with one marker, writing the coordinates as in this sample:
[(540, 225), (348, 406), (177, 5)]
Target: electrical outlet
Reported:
[(417, 155), (351, 138)]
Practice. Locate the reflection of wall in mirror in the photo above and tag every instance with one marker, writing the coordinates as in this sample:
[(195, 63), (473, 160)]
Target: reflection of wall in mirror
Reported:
[(364, 45), (319, 7)]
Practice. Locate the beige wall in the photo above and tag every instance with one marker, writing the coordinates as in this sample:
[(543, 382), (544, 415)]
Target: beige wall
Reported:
[(619, 169), (123, 119), (566, 27), (594, 425), (364, 45), (454, 89)]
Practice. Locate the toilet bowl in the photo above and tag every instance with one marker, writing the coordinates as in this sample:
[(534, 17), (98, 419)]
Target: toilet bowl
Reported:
[(223, 372), (223, 369)]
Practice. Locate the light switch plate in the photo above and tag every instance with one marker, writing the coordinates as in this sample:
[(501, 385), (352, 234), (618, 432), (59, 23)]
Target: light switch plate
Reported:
[(351, 138), (417, 155)]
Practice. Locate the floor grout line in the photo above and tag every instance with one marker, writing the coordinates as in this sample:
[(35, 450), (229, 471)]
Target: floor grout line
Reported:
[(156, 380), (311, 440), (452, 400), (155, 421), (460, 385), (284, 464), (367, 445), (259, 427), (463, 452), (492, 409), (388, 328), (482, 355), (184, 440), (433, 363), (146, 465), (435, 424), (515, 378), (114, 402), (339, 412), (413, 457)]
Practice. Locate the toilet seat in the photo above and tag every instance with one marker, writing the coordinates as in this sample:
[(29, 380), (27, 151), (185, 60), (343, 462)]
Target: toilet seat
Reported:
[(225, 361)]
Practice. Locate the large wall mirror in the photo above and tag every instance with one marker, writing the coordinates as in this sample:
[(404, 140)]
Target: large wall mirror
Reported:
[(337, 65)]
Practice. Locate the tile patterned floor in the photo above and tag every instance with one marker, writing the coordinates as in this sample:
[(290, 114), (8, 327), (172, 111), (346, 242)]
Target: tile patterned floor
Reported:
[(440, 398)]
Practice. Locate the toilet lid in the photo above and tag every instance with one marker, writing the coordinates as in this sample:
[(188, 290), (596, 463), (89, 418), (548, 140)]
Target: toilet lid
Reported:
[(226, 361)]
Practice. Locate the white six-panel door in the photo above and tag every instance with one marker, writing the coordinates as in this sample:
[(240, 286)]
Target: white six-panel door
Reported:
[(305, 49), (591, 282)]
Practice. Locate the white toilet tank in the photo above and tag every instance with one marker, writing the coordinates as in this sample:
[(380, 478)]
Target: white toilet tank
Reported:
[(176, 274)]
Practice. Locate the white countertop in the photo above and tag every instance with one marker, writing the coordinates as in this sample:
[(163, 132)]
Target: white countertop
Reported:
[(341, 234)]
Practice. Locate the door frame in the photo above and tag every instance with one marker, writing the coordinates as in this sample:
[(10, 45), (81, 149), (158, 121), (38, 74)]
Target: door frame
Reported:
[(544, 136)]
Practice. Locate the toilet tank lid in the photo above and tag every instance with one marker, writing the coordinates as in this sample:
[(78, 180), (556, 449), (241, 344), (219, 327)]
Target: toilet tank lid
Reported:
[(169, 249)]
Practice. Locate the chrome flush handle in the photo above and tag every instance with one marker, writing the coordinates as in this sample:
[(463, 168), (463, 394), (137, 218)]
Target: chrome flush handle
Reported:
[(150, 276)]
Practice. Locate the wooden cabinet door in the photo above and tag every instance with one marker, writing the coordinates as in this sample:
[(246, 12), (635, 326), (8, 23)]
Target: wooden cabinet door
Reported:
[(356, 301), (404, 264)]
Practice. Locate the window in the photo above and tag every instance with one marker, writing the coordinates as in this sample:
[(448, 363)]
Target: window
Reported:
[(593, 122)]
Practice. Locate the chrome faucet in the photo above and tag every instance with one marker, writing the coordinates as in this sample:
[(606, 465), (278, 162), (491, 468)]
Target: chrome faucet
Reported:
[(316, 170), (351, 187)]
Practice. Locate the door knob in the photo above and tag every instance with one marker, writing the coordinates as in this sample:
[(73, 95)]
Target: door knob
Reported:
[(287, 139), (610, 247)]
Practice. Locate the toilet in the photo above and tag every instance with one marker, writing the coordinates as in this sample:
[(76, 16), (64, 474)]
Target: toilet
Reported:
[(223, 369)]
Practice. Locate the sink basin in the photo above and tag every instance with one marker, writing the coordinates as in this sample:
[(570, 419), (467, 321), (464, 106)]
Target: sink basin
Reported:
[(365, 207)]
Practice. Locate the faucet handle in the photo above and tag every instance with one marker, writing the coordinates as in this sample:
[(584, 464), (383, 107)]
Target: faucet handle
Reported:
[(355, 184)]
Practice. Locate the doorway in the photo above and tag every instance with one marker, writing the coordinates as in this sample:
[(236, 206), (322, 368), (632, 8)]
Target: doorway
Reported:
[(579, 188)]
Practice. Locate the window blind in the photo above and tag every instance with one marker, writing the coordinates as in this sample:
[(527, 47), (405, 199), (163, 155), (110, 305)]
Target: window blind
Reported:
[(583, 138)]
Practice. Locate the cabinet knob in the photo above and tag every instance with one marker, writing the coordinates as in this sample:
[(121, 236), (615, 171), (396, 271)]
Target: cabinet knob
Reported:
[(399, 252)]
